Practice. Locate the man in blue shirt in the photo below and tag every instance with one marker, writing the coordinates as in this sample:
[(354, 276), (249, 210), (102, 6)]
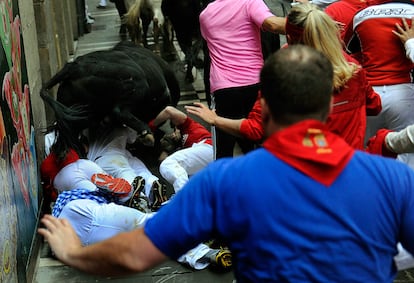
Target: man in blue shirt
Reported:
[(305, 207)]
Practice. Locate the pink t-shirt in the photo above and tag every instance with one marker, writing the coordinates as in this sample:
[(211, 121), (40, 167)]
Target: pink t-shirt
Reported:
[(232, 31)]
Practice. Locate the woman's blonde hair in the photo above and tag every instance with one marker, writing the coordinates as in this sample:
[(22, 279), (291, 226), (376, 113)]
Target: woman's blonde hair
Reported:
[(322, 33)]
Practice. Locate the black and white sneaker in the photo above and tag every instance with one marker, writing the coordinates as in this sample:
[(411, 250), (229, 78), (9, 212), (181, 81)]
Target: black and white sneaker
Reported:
[(158, 195), (138, 199)]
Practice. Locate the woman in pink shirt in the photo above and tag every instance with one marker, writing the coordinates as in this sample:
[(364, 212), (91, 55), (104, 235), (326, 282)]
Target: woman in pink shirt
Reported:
[(232, 32)]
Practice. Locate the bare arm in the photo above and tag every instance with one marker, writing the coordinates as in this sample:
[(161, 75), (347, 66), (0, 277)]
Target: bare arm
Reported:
[(231, 126), (275, 24), (123, 254), (170, 113)]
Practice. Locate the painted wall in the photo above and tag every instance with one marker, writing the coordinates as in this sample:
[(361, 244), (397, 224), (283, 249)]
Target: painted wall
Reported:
[(18, 167)]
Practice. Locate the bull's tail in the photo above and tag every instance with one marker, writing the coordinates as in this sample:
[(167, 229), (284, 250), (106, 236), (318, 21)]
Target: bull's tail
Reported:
[(60, 76), (70, 121)]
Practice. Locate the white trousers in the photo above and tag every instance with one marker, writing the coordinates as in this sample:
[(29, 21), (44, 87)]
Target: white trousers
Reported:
[(94, 222), (122, 164), (182, 164), (397, 113), (77, 175)]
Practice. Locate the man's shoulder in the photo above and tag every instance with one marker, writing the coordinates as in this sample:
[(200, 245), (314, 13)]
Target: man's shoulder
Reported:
[(257, 156), (386, 166)]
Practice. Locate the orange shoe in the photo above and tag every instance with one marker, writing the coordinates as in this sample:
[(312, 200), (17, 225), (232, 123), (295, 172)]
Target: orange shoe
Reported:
[(114, 186)]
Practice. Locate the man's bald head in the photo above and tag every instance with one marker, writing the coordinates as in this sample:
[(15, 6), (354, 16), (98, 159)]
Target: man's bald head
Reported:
[(297, 84)]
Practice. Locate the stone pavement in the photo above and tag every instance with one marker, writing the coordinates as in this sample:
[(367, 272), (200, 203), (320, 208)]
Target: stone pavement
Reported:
[(103, 36)]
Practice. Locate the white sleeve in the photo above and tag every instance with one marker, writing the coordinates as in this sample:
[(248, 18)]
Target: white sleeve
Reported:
[(50, 139), (409, 49), (402, 141)]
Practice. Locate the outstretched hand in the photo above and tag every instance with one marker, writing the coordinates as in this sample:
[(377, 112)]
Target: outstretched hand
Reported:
[(61, 237), (404, 32), (202, 111)]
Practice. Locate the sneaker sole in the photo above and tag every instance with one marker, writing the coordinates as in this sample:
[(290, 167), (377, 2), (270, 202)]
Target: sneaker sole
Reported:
[(159, 193), (109, 184), (137, 197)]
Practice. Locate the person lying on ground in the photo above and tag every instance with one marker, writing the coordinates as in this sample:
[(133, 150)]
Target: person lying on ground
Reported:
[(186, 150)]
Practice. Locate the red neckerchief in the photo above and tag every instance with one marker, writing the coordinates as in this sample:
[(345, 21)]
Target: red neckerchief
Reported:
[(309, 147)]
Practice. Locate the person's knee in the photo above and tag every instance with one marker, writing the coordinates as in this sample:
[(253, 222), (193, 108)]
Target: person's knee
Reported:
[(165, 166)]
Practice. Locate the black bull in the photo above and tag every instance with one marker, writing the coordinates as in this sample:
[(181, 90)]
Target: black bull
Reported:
[(128, 85)]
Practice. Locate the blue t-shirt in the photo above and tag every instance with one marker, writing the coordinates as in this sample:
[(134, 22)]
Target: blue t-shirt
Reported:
[(281, 225)]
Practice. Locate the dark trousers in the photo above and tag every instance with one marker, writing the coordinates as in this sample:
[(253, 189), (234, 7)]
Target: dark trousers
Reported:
[(120, 7), (233, 103)]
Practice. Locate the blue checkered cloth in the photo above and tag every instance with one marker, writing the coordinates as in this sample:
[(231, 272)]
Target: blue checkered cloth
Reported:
[(67, 196)]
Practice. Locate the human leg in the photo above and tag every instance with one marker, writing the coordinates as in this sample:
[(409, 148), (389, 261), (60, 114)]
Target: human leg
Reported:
[(154, 189), (397, 113), (117, 165), (233, 103), (77, 175), (115, 187), (202, 256), (183, 163), (140, 169), (95, 222), (122, 10), (138, 199)]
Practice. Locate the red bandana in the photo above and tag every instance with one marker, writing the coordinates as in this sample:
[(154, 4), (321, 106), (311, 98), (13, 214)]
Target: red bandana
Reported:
[(310, 148)]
